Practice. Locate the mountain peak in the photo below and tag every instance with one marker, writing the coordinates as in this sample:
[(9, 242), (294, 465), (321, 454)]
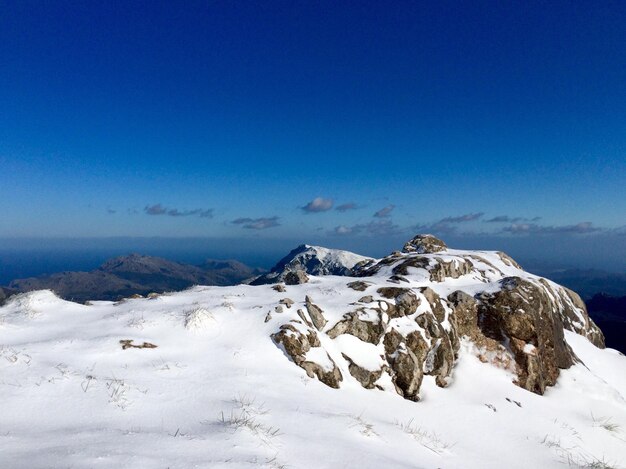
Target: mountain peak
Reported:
[(424, 244), (138, 263), (314, 260)]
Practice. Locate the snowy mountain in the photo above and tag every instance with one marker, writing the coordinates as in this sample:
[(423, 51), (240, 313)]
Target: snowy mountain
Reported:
[(430, 358), (313, 260)]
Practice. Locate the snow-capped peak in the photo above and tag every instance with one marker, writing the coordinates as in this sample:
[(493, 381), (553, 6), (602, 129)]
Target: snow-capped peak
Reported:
[(314, 260)]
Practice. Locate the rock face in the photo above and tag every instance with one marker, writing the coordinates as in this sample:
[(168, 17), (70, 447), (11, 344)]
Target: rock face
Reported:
[(316, 314), (405, 331), (297, 342), (522, 314), (366, 325), (296, 277), (406, 302)]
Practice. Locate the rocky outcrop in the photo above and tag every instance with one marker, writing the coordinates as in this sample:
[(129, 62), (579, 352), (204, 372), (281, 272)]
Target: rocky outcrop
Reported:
[(513, 322), (364, 324), (454, 268), (358, 285), (316, 314), (508, 260), (424, 244), (521, 327), (420, 254), (405, 301), (576, 319), (405, 363), (297, 344), (296, 277), (442, 351), (366, 377), (522, 315)]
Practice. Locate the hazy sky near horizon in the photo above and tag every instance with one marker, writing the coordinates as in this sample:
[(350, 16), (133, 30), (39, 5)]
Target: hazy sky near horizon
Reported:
[(314, 120)]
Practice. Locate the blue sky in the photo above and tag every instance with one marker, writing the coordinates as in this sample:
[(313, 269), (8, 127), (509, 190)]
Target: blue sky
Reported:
[(228, 119)]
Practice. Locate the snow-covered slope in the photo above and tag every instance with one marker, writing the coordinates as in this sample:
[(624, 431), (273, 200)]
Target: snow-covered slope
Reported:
[(313, 260), (193, 379)]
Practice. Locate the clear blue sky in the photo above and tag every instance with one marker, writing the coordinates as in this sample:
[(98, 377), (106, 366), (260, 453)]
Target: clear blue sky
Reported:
[(229, 118)]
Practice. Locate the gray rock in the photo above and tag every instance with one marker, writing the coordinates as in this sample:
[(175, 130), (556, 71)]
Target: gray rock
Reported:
[(304, 318), (366, 377), (518, 327), (406, 301), (424, 244), (316, 314), (440, 357), (417, 262), (524, 316), (330, 378), (296, 277), (296, 344), (398, 279), (391, 292), (406, 366), (434, 300), (367, 331), (359, 285)]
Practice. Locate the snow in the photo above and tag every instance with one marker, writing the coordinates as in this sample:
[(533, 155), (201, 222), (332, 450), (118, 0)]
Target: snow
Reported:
[(198, 320), (364, 354), (529, 348), (217, 392), (319, 356)]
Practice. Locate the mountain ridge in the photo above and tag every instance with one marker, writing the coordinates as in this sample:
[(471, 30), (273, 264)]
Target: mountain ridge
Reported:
[(136, 274), (313, 260), (449, 358)]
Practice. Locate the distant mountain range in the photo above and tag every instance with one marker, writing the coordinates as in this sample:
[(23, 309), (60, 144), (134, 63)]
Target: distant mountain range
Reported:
[(134, 274), (588, 282)]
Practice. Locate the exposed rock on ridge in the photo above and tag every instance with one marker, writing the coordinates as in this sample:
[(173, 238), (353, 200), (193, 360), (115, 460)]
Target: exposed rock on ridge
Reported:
[(508, 317)]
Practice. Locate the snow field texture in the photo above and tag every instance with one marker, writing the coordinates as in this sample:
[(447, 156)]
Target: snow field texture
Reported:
[(217, 392)]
